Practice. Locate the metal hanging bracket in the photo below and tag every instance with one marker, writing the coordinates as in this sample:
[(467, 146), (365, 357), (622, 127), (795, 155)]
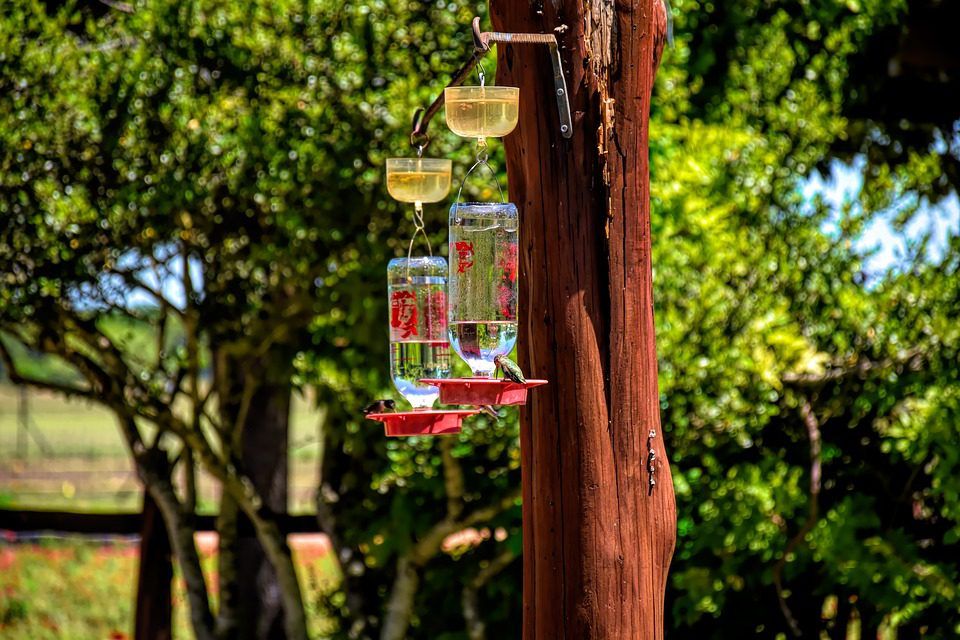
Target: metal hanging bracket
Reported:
[(481, 45)]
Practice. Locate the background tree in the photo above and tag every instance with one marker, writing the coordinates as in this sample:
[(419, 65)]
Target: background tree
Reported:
[(785, 361), (230, 150)]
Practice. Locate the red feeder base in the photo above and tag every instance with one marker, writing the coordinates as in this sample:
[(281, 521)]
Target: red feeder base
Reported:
[(422, 423), (483, 391)]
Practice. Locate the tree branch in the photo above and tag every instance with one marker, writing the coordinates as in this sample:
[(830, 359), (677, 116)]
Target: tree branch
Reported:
[(122, 391), (400, 604), (18, 379), (913, 359), (154, 470), (228, 614), (813, 435), (119, 6), (345, 555), (189, 483), (452, 479), (132, 281), (476, 629), (115, 385)]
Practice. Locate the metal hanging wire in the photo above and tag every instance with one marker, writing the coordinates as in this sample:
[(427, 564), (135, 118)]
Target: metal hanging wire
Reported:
[(481, 161), (418, 223), (482, 154), (418, 228)]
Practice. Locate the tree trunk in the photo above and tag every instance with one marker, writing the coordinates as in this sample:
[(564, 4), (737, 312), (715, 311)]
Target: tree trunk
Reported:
[(154, 578), (598, 538), (251, 606)]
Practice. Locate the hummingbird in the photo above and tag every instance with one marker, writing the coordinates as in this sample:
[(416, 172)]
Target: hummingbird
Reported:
[(491, 411), (379, 406), (510, 369)]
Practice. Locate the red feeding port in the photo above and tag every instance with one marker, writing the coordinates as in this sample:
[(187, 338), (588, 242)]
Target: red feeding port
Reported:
[(481, 391), (422, 423)]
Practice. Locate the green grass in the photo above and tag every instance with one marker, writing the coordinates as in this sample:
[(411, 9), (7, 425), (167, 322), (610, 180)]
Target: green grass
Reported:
[(79, 589), (82, 463), (85, 590), (70, 428)]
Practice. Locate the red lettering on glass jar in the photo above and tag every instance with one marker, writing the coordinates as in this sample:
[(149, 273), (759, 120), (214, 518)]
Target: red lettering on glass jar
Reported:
[(403, 314), (464, 255)]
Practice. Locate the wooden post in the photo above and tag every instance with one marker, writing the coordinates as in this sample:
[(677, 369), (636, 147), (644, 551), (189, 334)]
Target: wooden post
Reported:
[(597, 538)]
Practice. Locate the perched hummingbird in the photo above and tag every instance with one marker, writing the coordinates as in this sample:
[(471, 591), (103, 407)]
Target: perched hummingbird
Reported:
[(379, 406), (491, 411), (510, 369)]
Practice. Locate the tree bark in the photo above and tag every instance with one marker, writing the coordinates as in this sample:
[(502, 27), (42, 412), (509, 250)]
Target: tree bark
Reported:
[(598, 538), (154, 613), (259, 412), (400, 604)]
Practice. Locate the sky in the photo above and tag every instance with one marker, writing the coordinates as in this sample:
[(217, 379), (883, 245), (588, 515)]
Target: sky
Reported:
[(843, 184)]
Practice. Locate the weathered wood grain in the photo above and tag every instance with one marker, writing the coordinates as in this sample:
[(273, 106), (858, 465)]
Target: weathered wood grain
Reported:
[(597, 542)]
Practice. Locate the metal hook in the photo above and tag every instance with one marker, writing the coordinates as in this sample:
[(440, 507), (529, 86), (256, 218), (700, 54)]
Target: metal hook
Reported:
[(479, 42), (481, 45), (419, 139)]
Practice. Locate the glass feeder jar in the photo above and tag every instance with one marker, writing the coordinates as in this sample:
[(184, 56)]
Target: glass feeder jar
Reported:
[(482, 112), (484, 245), (419, 346), (418, 180)]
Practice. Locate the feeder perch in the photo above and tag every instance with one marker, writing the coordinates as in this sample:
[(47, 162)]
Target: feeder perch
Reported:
[(482, 391), (422, 423)]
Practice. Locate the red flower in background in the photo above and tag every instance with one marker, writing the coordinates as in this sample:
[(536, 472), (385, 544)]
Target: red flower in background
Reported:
[(437, 315), (508, 263), (505, 304)]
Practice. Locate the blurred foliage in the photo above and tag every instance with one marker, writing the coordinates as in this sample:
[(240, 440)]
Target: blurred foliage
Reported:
[(763, 305), (255, 135)]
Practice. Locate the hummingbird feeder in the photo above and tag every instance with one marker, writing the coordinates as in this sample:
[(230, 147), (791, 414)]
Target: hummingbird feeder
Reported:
[(476, 310), (481, 112), (417, 314), (418, 180), (484, 236), (482, 302)]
